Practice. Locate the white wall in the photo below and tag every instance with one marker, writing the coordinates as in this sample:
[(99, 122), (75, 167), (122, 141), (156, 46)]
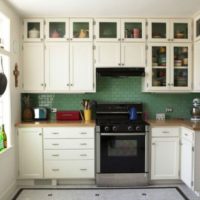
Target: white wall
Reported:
[(8, 169)]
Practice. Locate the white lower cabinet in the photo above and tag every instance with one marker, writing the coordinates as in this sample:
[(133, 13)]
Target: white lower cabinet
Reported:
[(30, 153), (187, 154), (69, 152), (165, 153)]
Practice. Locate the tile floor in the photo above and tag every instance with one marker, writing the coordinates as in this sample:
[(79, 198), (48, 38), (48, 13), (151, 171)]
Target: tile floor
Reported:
[(72, 193)]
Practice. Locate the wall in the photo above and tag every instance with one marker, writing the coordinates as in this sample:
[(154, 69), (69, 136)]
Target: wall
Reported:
[(126, 89), (8, 159)]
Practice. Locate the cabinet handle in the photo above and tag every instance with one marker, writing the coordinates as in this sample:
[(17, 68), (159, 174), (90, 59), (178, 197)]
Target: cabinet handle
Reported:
[(83, 144), (55, 133), (55, 155), (122, 39), (55, 170), (55, 144), (153, 143), (83, 133), (186, 134), (165, 132), (83, 169), (83, 155)]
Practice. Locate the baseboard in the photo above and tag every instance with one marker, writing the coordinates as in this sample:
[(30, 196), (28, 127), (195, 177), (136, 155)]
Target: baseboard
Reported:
[(9, 192)]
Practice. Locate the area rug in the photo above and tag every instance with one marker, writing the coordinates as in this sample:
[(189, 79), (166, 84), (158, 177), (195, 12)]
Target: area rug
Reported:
[(146, 193)]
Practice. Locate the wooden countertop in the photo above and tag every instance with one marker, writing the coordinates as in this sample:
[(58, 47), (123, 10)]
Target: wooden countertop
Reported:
[(175, 122), (56, 124)]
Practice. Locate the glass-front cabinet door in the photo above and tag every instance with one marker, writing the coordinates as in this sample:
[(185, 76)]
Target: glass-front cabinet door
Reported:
[(158, 30), (133, 30), (81, 29), (57, 29), (107, 30), (197, 28), (158, 62), (181, 30), (33, 30), (181, 66)]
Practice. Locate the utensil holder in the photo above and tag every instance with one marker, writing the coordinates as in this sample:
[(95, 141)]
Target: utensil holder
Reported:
[(87, 114)]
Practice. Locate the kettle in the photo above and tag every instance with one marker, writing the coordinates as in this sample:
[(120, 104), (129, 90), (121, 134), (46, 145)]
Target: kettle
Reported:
[(132, 113)]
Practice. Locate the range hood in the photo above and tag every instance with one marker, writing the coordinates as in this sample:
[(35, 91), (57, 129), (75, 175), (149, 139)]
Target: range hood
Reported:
[(121, 71)]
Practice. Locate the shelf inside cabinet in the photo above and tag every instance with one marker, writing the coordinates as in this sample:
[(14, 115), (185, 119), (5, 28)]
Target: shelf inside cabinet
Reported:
[(133, 30)]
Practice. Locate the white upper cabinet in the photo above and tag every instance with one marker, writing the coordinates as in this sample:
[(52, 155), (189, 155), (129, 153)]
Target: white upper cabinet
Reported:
[(133, 30), (107, 30), (33, 30), (168, 30), (81, 29), (57, 66), (56, 29), (33, 67)]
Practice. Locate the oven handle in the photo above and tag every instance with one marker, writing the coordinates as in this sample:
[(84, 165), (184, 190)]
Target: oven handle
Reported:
[(121, 134)]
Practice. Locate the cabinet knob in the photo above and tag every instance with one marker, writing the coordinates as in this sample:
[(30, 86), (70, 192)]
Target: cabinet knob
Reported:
[(42, 84), (123, 39), (71, 84), (55, 170), (68, 84), (123, 64), (40, 134), (119, 39), (119, 64), (168, 84)]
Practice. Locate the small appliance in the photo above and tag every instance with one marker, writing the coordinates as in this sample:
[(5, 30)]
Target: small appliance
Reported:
[(196, 109), (40, 113), (68, 115)]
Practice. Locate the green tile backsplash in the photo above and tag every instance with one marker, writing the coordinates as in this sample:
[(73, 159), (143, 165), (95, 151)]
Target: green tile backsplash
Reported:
[(127, 89)]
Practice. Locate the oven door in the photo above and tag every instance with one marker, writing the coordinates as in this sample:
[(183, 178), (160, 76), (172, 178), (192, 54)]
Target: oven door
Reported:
[(122, 153)]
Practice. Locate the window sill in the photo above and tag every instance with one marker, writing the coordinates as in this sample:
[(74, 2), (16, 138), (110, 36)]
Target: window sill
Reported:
[(5, 152)]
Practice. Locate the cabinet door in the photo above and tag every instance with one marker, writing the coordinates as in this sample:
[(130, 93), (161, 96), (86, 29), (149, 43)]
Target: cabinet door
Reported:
[(81, 29), (180, 30), (181, 67), (57, 66), (107, 30), (133, 30), (81, 66), (196, 70), (165, 158), (33, 67), (186, 161), (33, 30), (30, 153), (197, 28), (57, 29), (133, 54), (107, 54), (159, 66), (159, 30)]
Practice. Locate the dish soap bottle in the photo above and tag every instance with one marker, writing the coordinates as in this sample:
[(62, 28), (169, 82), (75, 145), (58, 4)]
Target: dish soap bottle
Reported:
[(4, 136), (1, 141)]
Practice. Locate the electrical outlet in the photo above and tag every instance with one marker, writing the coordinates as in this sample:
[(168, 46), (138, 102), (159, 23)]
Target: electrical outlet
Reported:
[(160, 116), (168, 109), (54, 110)]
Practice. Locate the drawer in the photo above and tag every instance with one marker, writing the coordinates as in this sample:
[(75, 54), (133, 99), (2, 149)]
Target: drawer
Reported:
[(187, 134), (69, 169), (68, 143), (68, 154), (165, 132), (71, 132)]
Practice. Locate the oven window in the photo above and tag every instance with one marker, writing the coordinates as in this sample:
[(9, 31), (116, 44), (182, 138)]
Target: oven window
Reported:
[(120, 148)]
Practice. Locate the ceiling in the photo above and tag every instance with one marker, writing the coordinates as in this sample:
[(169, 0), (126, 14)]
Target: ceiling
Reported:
[(106, 8)]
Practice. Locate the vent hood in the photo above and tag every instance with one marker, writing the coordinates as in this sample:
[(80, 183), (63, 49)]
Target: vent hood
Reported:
[(121, 71)]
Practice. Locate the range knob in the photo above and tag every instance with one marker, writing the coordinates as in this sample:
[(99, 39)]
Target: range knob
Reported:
[(130, 128), (138, 128), (114, 128), (106, 128)]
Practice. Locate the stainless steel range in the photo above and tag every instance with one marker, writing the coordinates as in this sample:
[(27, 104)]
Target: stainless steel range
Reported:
[(121, 145)]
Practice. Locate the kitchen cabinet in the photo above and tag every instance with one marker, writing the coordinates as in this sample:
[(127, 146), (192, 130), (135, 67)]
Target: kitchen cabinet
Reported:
[(33, 67), (33, 30), (169, 30), (69, 152), (124, 46), (196, 69), (187, 156), (169, 67), (165, 153), (30, 153), (197, 28)]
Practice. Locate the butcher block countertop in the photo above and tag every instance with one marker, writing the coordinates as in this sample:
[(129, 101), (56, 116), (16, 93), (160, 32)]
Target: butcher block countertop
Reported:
[(175, 122), (56, 124)]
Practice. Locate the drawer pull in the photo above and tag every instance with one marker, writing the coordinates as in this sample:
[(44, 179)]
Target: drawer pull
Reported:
[(165, 131), (55, 144), (83, 144), (55, 170), (83, 169), (83, 133), (83, 155), (55, 133), (186, 134), (55, 155), (153, 143)]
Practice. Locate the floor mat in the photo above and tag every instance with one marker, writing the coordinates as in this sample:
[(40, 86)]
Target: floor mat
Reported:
[(158, 193)]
